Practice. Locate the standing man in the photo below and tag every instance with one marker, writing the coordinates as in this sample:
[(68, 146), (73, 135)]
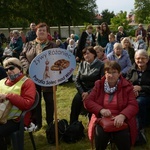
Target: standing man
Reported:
[(141, 31), (31, 35)]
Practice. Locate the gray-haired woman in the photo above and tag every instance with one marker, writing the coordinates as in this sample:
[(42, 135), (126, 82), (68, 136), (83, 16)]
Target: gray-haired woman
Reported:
[(139, 76), (16, 44)]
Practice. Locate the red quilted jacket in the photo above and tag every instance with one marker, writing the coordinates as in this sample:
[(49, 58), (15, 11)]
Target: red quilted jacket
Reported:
[(127, 105)]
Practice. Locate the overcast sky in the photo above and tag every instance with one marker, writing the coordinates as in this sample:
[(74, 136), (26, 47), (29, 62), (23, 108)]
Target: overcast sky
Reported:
[(115, 5)]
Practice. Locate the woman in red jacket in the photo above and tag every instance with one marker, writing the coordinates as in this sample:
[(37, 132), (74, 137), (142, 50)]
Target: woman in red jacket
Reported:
[(20, 91), (112, 96)]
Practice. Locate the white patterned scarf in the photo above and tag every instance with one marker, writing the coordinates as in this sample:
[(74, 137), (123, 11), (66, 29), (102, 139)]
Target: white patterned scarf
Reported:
[(110, 90)]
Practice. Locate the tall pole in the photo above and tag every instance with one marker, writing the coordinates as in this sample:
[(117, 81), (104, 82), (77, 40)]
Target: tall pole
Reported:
[(56, 120)]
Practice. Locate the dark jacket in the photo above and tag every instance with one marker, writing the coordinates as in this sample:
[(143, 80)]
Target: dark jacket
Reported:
[(132, 76), (139, 31), (16, 45), (103, 39), (88, 74), (131, 53), (2, 73), (120, 35), (82, 42), (30, 36)]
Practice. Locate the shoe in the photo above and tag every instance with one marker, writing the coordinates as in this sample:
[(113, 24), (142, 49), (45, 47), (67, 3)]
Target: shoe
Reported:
[(141, 140), (37, 127)]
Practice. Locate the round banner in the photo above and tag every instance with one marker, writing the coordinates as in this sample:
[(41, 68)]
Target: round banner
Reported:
[(52, 67)]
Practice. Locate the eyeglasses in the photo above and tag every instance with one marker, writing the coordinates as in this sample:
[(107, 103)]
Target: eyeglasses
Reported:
[(141, 58), (10, 68)]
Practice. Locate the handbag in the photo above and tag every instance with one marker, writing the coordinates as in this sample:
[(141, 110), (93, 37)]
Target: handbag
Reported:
[(107, 123), (5, 108)]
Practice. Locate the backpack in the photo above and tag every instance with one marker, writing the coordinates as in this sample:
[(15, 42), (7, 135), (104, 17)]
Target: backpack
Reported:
[(74, 132), (50, 131)]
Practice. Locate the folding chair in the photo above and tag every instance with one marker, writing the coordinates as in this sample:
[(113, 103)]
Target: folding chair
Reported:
[(17, 137)]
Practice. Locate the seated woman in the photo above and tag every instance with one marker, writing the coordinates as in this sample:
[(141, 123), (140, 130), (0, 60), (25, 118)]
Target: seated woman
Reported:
[(16, 44), (139, 76), (90, 70), (100, 53), (60, 44), (71, 46), (139, 43), (126, 44), (20, 91), (112, 96), (120, 34), (121, 56)]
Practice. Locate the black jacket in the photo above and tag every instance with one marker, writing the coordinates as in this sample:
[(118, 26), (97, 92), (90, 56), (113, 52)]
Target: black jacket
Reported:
[(88, 74), (145, 80), (2, 73), (82, 42)]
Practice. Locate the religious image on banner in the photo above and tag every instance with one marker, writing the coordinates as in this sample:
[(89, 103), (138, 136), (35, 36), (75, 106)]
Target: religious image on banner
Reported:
[(52, 67)]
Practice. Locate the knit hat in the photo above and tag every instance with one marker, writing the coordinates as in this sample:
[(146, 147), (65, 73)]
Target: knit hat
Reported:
[(12, 61)]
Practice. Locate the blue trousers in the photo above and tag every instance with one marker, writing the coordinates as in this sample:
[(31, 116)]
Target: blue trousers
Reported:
[(144, 103)]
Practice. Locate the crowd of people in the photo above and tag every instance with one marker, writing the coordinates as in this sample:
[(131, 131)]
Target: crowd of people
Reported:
[(111, 80)]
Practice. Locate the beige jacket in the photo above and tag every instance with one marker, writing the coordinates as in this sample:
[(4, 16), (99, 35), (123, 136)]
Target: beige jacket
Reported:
[(30, 51)]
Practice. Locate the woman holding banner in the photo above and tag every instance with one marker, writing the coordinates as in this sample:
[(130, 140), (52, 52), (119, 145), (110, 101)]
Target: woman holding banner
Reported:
[(31, 50)]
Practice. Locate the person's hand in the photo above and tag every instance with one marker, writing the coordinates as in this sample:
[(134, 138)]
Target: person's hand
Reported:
[(84, 95), (77, 58), (136, 93), (137, 88), (2, 97), (88, 42), (119, 120), (105, 112)]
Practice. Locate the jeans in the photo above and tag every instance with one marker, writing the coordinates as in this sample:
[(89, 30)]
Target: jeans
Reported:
[(143, 102)]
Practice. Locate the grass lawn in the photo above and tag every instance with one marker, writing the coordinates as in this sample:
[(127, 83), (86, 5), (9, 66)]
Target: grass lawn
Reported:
[(64, 98)]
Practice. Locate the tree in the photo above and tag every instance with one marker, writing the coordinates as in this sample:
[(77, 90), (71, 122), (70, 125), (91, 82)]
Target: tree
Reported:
[(141, 10), (106, 16), (58, 12), (147, 20), (121, 20)]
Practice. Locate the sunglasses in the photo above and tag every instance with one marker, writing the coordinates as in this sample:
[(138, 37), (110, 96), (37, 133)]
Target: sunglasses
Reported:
[(10, 68)]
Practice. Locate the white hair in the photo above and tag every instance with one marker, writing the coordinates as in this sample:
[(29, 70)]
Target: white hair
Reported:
[(142, 52)]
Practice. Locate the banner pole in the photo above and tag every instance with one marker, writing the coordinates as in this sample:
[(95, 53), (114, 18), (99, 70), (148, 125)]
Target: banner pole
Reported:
[(56, 120)]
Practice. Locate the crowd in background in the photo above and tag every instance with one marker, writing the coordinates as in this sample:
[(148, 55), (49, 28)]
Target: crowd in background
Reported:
[(92, 51), (103, 37)]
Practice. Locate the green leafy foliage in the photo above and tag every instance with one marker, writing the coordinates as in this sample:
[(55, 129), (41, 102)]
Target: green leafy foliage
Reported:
[(141, 10), (106, 16), (59, 12), (121, 20)]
